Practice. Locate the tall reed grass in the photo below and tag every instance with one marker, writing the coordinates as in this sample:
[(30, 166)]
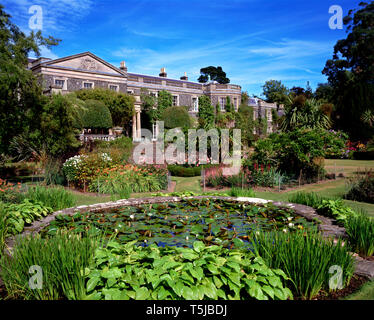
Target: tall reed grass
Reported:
[(306, 258), (238, 192), (360, 231), (3, 227), (63, 259), (309, 199), (57, 198)]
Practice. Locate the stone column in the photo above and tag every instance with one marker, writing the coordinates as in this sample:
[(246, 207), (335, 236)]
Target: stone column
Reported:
[(134, 127), (138, 125)]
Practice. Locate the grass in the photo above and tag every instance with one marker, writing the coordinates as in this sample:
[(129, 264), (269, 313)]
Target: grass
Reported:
[(347, 167), (238, 192), (366, 292), (360, 231), (306, 260), (57, 198), (3, 227), (61, 259)]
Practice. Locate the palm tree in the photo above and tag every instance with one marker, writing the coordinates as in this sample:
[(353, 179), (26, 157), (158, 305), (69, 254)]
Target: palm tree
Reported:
[(302, 113)]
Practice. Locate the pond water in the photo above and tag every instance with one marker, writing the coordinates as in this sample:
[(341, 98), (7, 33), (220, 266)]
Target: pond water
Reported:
[(182, 223)]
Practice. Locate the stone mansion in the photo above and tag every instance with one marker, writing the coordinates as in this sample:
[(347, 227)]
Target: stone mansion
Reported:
[(87, 71)]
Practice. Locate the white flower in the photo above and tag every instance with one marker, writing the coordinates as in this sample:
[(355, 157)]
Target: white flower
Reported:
[(284, 230), (145, 240), (289, 218), (290, 224), (132, 217), (187, 238)]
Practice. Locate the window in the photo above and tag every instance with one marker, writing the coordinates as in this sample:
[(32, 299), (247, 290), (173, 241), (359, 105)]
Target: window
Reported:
[(130, 91), (87, 85), (195, 104), (59, 83), (175, 100), (269, 115), (222, 103), (236, 104), (113, 87), (153, 94)]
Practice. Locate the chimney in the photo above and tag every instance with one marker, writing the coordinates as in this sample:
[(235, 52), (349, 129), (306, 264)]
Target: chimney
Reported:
[(123, 66), (185, 78), (163, 73)]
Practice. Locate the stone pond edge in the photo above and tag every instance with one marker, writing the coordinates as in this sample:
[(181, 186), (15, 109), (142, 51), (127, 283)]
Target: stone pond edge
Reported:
[(326, 225)]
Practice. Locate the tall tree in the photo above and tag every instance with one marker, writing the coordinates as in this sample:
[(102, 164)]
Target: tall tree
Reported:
[(350, 72), (206, 113), (213, 74), (275, 91), (20, 94)]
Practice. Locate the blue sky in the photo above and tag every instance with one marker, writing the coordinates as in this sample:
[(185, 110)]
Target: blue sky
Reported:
[(252, 40)]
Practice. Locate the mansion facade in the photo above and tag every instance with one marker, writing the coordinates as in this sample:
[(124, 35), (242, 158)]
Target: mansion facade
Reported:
[(87, 71)]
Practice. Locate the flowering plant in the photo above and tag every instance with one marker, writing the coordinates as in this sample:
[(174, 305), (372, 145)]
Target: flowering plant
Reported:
[(9, 192)]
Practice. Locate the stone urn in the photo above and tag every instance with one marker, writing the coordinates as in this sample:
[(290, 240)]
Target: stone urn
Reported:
[(117, 131)]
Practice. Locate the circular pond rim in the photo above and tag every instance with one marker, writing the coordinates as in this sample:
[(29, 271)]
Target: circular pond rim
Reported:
[(326, 226)]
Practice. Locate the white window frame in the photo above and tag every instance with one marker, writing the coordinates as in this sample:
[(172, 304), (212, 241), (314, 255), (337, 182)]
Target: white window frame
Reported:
[(113, 85), (222, 103), (154, 94), (130, 91), (64, 87), (235, 101), (195, 108), (177, 102), (93, 84)]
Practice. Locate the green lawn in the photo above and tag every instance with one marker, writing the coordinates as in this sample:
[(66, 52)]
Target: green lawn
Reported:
[(331, 188), (365, 293)]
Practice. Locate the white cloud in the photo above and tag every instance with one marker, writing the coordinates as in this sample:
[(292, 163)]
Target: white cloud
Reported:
[(58, 15)]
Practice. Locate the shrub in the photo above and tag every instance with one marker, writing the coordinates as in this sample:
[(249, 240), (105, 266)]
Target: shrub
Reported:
[(176, 117), (121, 106), (123, 272), (293, 153), (335, 144), (126, 179), (360, 231), (361, 189), (83, 169), (26, 212), (305, 258), (119, 149), (56, 198), (335, 209), (97, 115), (10, 193), (53, 172), (63, 260)]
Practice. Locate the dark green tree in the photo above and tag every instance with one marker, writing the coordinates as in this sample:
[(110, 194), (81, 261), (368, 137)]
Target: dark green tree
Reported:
[(213, 74), (97, 116), (229, 107), (120, 105), (350, 73), (206, 113), (20, 95), (176, 117), (275, 92)]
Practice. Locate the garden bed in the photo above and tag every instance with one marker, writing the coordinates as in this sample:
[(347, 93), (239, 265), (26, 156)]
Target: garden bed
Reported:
[(364, 268)]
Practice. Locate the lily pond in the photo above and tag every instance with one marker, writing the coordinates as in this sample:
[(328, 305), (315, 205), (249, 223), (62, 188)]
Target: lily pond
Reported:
[(181, 223)]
